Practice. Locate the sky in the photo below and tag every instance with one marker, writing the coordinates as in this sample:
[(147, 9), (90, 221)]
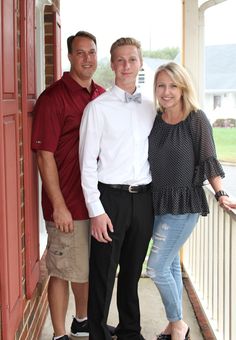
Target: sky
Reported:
[(155, 23)]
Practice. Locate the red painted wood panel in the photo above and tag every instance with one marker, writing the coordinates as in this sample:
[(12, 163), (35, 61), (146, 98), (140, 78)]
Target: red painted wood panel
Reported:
[(10, 249), (13, 246), (30, 168), (29, 43), (10, 240), (7, 50), (2, 187)]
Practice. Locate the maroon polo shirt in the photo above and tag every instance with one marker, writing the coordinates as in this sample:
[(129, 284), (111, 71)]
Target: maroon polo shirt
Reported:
[(57, 116)]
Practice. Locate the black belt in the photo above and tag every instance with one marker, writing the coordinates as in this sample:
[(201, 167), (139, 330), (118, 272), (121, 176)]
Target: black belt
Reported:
[(133, 189)]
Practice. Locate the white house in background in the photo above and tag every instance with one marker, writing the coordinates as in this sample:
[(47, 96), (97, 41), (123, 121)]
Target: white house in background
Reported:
[(146, 75), (220, 80)]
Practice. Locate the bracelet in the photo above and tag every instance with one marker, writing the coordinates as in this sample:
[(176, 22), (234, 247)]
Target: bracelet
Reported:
[(220, 193)]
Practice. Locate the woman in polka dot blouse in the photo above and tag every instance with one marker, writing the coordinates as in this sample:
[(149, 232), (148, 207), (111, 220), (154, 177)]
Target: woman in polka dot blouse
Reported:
[(182, 156)]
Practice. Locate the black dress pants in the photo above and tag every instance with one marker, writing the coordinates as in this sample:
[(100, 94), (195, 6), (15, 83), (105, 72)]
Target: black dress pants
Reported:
[(132, 218)]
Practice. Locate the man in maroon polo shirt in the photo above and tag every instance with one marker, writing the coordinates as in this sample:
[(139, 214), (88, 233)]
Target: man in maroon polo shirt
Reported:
[(55, 138)]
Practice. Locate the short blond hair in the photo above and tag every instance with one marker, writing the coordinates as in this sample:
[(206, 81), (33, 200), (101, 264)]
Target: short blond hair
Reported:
[(182, 80), (124, 42)]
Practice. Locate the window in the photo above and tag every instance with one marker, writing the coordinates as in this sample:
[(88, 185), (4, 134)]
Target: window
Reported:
[(217, 101)]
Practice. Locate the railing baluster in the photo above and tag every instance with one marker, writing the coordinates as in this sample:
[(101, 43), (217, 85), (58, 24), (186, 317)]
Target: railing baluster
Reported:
[(209, 258)]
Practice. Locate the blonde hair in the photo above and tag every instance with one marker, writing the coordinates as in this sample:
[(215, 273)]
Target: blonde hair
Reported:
[(182, 80), (124, 42)]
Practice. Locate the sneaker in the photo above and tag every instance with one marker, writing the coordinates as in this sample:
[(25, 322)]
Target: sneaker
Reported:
[(64, 337), (79, 329)]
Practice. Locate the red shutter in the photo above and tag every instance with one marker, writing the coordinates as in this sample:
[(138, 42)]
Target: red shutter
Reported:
[(10, 239), (57, 46), (30, 168)]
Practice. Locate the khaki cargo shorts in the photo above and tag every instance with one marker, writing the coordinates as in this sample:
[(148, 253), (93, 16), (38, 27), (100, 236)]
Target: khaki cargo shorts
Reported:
[(68, 253)]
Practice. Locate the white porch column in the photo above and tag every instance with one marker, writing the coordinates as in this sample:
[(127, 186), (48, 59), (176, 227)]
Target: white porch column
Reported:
[(192, 44), (193, 56)]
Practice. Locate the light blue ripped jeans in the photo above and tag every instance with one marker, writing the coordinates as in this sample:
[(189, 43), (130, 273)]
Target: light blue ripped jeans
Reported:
[(169, 234)]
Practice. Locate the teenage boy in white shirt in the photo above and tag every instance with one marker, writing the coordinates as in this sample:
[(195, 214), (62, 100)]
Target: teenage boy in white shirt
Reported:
[(116, 182)]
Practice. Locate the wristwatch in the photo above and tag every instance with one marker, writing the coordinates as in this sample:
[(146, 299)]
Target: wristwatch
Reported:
[(220, 193)]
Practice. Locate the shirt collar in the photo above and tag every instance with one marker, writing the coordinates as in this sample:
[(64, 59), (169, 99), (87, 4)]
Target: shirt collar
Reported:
[(70, 82), (118, 92), (74, 86)]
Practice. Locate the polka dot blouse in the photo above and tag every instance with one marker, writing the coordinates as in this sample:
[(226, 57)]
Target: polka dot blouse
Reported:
[(181, 157)]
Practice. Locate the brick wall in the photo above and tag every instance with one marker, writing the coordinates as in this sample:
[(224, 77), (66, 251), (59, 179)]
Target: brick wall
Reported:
[(49, 40), (35, 310), (48, 27)]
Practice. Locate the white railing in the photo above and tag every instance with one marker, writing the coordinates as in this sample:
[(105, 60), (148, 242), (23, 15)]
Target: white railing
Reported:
[(209, 258)]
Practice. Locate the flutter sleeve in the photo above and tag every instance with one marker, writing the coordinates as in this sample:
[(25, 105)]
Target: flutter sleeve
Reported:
[(206, 162)]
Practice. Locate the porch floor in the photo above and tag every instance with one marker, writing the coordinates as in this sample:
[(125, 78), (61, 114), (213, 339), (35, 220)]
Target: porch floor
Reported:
[(152, 314)]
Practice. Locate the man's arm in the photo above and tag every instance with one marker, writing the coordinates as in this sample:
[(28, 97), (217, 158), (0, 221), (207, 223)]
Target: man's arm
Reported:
[(90, 138), (49, 174)]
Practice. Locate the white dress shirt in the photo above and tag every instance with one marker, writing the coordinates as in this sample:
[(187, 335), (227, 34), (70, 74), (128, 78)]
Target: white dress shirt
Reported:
[(114, 144)]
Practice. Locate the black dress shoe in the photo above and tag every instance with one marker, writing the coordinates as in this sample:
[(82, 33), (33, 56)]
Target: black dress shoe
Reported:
[(187, 335), (112, 330), (141, 337), (163, 336)]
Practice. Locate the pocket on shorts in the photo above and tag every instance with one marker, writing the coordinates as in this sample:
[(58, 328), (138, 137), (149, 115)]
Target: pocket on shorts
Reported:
[(58, 256)]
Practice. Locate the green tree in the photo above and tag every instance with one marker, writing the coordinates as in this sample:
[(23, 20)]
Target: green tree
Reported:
[(165, 53), (104, 75)]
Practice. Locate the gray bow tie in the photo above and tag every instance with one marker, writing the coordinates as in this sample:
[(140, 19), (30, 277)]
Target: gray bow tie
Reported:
[(133, 97)]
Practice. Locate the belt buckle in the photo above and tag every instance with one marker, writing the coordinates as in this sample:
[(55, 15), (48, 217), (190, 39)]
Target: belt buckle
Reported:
[(132, 190)]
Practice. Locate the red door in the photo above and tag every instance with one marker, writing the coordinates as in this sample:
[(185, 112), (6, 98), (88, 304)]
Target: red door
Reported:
[(30, 169), (10, 223)]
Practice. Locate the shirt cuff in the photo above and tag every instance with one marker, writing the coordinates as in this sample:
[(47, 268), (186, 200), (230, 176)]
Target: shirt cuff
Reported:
[(95, 209)]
